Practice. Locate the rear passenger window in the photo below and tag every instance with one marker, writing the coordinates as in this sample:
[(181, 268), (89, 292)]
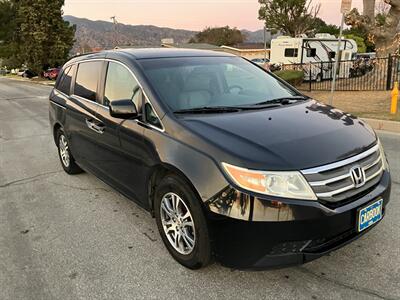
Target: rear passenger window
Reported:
[(64, 85), (121, 85), (87, 79)]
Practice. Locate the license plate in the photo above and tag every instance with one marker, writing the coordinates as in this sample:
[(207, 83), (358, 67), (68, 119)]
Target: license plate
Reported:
[(370, 215)]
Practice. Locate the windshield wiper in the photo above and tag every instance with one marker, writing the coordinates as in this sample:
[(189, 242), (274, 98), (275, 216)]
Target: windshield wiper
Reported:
[(227, 109), (209, 109), (284, 100)]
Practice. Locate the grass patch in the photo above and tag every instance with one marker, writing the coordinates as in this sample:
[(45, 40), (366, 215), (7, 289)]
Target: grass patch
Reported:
[(365, 104), (290, 76)]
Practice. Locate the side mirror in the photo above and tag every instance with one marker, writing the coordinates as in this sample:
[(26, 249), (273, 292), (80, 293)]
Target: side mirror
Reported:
[(123, 109)]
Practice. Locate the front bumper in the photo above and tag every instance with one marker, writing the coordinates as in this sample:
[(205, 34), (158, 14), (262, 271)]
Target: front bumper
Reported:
[(255, 232)]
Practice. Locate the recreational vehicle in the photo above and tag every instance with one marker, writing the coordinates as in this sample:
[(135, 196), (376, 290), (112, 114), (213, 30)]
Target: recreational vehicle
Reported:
[(317, 54)]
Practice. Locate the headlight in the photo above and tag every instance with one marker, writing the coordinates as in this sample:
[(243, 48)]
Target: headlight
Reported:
[(279, 184), (384, 160)]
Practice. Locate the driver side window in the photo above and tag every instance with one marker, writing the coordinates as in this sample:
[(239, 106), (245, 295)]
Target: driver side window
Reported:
[(121, 85)]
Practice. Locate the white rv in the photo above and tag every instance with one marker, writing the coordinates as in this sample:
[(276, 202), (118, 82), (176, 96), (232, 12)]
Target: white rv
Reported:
[(318, 52)]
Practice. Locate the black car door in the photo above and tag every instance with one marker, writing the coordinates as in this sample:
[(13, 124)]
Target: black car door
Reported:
[(123, 167), (82, 125)]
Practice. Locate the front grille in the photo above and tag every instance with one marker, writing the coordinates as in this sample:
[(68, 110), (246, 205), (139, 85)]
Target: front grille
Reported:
[(334, 183)]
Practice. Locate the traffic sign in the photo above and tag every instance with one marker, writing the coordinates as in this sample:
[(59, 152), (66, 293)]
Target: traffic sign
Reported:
[(346, 6)]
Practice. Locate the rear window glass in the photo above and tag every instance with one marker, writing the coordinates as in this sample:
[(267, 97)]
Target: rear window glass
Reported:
[(64, 84), (87, 79)]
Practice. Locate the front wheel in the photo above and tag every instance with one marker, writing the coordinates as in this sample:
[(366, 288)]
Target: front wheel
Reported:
[(181, 223)]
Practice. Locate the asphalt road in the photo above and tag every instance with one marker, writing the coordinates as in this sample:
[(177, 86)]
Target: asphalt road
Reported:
[(73, 237)]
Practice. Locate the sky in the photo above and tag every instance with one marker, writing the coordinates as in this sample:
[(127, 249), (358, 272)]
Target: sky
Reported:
[(187, 14)]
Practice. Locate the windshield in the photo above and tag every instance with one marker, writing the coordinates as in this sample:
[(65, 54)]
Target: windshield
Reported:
[(195, 82)]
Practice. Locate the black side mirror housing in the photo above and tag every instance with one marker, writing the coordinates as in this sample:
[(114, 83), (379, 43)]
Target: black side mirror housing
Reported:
[(123, 109)]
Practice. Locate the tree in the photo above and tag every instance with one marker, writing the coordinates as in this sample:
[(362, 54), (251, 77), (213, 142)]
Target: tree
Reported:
[(381, 29), (41, 38), (369, 9), (320, 26), (33, 32), (291, 17), (7, 29), (362, 47), (360, 32), (219, 36)]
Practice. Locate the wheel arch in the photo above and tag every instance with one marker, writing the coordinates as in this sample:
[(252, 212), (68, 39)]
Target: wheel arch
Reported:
[(160, 171), (56, 127)]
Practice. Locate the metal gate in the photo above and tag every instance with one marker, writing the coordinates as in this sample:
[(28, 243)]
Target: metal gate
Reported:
[(366, 74)]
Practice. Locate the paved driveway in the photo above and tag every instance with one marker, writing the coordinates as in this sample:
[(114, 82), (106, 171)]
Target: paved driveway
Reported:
[(73, 237)]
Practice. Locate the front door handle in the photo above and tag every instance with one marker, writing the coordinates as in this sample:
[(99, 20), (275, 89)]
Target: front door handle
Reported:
[(95, 127)]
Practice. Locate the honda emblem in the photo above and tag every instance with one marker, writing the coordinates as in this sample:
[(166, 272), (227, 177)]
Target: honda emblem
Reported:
[(358, 176)]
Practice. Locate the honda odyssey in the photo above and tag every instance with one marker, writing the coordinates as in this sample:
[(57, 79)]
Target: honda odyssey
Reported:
[(234, 164)]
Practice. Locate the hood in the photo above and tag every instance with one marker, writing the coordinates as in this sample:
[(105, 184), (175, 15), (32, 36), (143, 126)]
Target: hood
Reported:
[(293, 137)]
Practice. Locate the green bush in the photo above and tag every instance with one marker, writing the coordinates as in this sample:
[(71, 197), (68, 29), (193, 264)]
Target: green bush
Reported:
[(292, 77)]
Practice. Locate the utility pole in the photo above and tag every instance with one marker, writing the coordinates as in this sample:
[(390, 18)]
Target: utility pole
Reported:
[(345, 8), (265, 43), (115, 22)]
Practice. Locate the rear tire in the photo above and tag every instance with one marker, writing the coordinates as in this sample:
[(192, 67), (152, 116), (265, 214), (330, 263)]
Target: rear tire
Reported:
[(181, 222), (64, 153)]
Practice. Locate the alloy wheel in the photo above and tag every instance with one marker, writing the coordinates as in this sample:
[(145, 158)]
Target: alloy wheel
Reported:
[(64, 151), (178, 224)]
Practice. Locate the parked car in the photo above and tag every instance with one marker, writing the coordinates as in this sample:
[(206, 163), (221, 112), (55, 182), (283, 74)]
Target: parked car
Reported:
[(26, 73), (52, 73), (231, 161), (20, 72)]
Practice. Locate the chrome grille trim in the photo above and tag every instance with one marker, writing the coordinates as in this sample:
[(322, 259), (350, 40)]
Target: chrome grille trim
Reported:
[(374, 163), (342, 162), (375, 174), (336, 192), (328, 181), (334, 183)]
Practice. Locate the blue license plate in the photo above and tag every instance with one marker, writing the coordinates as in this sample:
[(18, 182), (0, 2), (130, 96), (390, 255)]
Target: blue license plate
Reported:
[(370, 215)]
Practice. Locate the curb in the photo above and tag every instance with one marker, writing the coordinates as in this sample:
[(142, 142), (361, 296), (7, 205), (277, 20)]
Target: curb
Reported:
[(50, 83), (391, 126)]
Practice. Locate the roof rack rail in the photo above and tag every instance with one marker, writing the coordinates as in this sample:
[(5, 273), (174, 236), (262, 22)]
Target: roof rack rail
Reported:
[(87, 53)]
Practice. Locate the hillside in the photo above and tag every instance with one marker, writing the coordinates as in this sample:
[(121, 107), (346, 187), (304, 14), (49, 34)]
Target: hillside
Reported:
[(258, 36), (101, 34)]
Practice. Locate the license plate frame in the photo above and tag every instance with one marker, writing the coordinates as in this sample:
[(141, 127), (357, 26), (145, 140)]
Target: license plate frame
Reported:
[(361, 226)]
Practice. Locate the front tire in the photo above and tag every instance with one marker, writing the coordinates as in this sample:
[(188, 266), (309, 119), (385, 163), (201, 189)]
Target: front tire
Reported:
[(181, 223), (64, 153)]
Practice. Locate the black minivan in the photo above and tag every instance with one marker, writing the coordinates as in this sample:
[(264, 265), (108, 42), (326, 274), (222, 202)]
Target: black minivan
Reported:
[(234, 164)]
